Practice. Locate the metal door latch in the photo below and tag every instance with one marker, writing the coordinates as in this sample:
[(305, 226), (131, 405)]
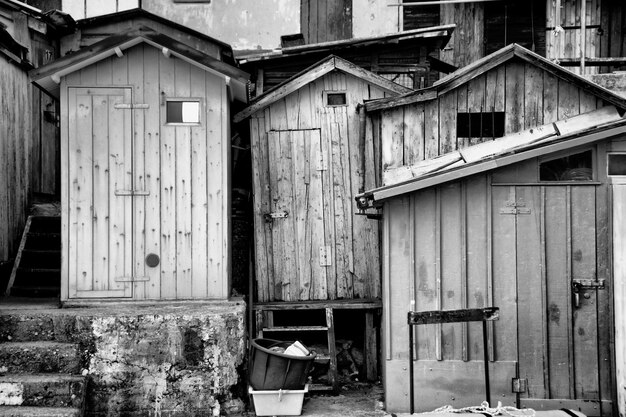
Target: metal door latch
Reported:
[(578, 285), (269, 217)]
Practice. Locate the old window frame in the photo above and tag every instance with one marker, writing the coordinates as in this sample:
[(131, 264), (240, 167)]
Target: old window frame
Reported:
[(198, 100)]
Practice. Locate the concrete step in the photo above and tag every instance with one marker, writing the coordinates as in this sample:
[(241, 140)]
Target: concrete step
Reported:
[(25, 328), (17, 411), (39, 357), (42, 390)]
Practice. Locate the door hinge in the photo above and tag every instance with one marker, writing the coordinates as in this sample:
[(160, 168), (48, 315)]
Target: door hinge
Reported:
[(130, 106), (519, 385), (325, 256)]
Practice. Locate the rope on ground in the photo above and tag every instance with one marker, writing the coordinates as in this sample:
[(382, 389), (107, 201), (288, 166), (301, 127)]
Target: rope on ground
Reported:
[(484, 408)]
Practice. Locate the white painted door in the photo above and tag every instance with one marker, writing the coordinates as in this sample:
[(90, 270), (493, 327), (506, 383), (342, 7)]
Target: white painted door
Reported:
[(99, 256)]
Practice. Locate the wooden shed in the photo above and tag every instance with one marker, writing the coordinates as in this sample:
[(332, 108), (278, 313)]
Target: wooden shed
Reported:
[(310, 158), (145, 152), (499, 187)]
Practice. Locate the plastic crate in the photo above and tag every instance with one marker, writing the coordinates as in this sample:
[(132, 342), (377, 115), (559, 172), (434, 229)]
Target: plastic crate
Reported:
[(284, 402)]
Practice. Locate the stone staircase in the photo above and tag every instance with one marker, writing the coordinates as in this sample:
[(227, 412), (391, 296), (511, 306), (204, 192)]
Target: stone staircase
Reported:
[(39, 376)]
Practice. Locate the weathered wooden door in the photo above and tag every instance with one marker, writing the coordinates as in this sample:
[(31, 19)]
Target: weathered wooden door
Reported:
[(100, 219), (554, 239), (297, 201)]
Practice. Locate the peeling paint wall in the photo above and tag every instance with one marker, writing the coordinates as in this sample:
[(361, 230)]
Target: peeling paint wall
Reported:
[(151, 360), (244, 24)]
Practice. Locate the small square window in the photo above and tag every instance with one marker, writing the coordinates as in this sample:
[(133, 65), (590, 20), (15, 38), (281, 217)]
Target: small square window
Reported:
[(335, 98), (617, 164), (181, 111)]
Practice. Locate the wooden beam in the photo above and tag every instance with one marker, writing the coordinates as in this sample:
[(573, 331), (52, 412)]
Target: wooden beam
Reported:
[(437, 2), (453, 316), (418, 96)]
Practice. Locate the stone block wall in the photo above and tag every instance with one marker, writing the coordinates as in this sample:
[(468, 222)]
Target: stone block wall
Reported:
[(151, 360)]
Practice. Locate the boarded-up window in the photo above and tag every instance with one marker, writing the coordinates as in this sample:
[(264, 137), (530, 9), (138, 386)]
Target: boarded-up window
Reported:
[(521, 22), (417, 17), (574, 167), (480, 125), (182, 111)]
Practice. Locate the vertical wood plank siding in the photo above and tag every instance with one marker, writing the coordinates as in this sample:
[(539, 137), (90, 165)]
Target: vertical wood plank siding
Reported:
[(183, 170), (529, 97), (16, 150), (303, 130), (325, 20)]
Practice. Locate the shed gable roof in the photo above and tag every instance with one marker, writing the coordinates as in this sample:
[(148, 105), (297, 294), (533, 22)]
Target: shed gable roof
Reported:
[(477, 68), (48, 77), (312, 73)]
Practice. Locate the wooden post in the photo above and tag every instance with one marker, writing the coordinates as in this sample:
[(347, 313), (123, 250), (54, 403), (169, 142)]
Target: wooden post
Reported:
[(583, 35), (619, 292)]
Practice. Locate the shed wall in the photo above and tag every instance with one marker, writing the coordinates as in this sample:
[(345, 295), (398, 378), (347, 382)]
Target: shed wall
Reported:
[(352, 239), (185, 170), (529, 96), (16, 151), (462, 245)]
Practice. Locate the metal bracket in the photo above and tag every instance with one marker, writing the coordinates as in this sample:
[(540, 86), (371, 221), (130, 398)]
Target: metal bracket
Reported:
[(588, 284), (269, 217), (130, 106), (131, 192), (132, 279), (512, 207), (519, 385)]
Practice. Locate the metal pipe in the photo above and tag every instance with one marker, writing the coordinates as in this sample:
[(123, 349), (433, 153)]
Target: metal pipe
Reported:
[(486, 359)]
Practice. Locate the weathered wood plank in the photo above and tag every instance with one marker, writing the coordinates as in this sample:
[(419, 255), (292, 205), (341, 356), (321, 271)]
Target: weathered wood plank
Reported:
[(130, 70), (392, 134), (431, 129), (514, 103), (447, 119), (451, 266), (569, 100), (476, 100), (217, 192), (529, 279), (329, 208), (550, 98), (476, 257), (400, 271), (168, 187), (533, 103), (152, 170), (81, 176), (413, 133), (101, 193), (198, 190), (585, 335), (183, 228), (316, 217), (426, 261), (504, 259), (558, 291), (453, 316)]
